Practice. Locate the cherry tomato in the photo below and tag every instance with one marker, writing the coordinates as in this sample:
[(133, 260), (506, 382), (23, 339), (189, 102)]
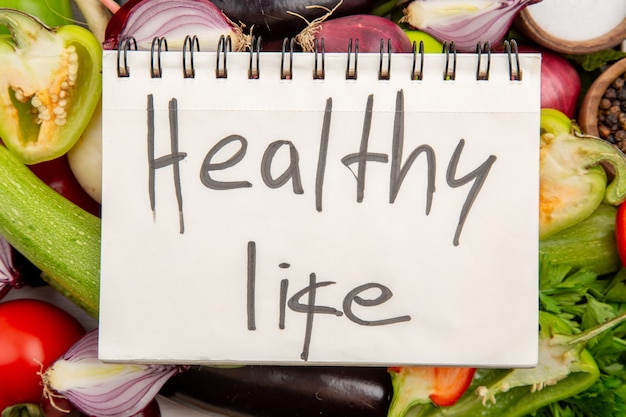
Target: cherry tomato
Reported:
[(58, 175), (33, 334)]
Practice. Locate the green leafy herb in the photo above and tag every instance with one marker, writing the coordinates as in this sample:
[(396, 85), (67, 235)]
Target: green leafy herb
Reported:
[(596, 60), (584, 300)]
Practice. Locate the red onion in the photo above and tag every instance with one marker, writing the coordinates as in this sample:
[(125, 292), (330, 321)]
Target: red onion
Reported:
[(368, 29), (9, 277), (173, 19), (560, 82), (466, 23), (103, 389)]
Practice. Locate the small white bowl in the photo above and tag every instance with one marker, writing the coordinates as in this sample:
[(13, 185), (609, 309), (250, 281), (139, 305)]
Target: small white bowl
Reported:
[(543, 23)]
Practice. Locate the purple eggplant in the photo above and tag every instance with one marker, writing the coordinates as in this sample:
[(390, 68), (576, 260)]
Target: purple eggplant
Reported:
[(277, 19), (285, 391)]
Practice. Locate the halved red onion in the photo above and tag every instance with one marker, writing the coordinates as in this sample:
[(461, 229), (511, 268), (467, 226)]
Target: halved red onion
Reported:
[(9, 276), (370, 30), (103, 389), (174, 20), (466, 23)]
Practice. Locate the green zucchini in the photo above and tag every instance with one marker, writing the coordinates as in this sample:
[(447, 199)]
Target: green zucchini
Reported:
[(54, 234)]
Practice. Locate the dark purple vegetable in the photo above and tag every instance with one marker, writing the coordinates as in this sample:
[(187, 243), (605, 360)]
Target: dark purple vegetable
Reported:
[(368, 29), (271, 19), (285, 391)]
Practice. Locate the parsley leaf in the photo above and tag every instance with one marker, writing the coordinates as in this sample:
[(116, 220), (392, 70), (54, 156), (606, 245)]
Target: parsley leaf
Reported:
[(585, 300)]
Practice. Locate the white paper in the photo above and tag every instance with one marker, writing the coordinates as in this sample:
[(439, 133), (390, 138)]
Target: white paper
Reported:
[(223, 276)]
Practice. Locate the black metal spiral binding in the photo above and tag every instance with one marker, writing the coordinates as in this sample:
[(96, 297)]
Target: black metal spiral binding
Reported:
[(158, 45), (224, 46), (484, 49), (384, 73), (123, 46), (513, 53), (418, 74), (254, 69), (319, 68), (189, 45), (287, 73), (449, 72), (352, 70)]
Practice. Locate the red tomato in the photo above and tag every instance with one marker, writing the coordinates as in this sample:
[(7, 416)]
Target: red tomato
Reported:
[(33, 334), (58, 175)]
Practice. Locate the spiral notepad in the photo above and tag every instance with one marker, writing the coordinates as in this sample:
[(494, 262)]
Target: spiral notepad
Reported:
[(320, 208)]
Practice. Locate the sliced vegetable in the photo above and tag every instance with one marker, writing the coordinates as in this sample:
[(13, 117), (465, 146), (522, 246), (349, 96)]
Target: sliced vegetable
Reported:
[(34, 334), (573, 182), (565, 369), (466, 23), (416, 385), (369, 31), (173, 19), (103, 389), (54, 234), (561, 356), (49, 86)]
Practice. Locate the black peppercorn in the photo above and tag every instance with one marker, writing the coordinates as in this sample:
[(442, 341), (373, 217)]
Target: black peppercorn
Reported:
[(612, 113)]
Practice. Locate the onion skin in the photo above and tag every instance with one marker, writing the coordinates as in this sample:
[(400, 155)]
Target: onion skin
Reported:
[(368, 29), (173, 19), (270, 18), (560, 82)]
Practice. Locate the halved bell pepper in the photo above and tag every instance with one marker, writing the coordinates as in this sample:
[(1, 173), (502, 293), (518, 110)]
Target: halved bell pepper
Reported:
[(417, 388), (573, 177), (565, 369), (50, 84)]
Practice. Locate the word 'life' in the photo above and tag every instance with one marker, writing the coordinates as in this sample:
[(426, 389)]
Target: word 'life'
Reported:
[(309, 307)]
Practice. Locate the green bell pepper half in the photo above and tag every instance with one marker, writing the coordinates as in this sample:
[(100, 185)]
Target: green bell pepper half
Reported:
[(573, 176), (50, 85), (565, 368)]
